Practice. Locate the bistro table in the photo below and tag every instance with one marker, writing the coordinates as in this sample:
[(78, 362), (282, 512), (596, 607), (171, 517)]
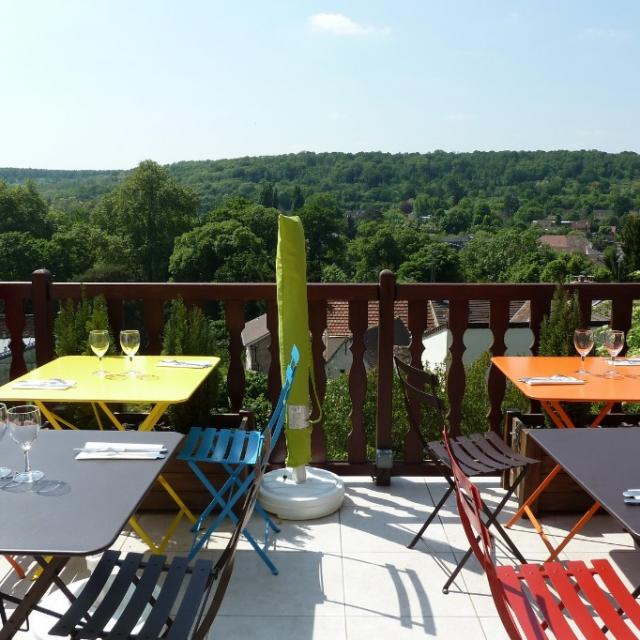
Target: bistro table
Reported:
[(78, 509), (596, 388), (157, 385), (604, 462)]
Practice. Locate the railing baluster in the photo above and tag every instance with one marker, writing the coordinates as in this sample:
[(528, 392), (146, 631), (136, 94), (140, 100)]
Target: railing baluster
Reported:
[(16, 321), (384, 406), (418, 311), (318, 326), (498, 323), (153, 323), (458, 320), (621, 312), (234, 318), (274, 377), (357, 439)]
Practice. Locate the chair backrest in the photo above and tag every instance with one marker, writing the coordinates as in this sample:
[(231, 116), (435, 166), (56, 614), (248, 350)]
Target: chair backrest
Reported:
[(224, 566), (419, 389), (469, 503), (276, 422)]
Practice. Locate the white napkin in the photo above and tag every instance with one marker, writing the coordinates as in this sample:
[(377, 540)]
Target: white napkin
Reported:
[(552, 380), (50, 383), (121, 451), (185, 364), (624, 362)]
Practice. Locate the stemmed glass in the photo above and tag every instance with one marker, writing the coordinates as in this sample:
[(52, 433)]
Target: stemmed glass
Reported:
[(99, 343), (4, 471), (613, 343), (24, 425), (130, 343), (583, 342)]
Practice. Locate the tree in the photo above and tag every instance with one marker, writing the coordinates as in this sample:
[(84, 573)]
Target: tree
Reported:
[(325, 232), (297, 201), (501, 256), (260, 220), (21, 255), (269, 195), (220, 252), (22, 209), (150, 209), (630, 237), (434, 262)]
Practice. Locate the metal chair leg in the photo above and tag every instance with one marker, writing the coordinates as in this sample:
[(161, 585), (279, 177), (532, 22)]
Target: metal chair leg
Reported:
[(433, 514)]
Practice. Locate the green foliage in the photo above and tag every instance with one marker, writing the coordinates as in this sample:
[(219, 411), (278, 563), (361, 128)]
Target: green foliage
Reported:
[(475, 409), (71, 327), (556, 339), (556, 331), (189, 332), (256, 397), (336, 411), (630, 236), (75, 320), (149, 209)]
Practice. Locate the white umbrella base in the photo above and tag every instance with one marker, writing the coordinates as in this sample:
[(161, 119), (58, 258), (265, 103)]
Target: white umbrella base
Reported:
[(319, 495)]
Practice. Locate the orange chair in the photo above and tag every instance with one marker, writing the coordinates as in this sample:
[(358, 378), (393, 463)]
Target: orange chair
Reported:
[(553, 599)]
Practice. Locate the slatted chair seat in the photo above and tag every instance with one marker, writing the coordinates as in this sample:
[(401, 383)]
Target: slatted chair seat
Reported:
[(554, 599), (237, 451), (131, 598), (480, 454)]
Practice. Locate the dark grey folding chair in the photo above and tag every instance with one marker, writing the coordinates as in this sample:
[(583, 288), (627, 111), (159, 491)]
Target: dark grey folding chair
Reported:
[(480, 454), (180, 607)]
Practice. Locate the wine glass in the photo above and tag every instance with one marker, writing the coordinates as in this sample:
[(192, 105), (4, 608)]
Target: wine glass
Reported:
[(99, 343), (583, 342), (4, 471), (613, 343), (24, 425), (130, 343)]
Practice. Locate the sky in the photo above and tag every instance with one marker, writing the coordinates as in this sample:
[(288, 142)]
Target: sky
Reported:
[(104, 84)]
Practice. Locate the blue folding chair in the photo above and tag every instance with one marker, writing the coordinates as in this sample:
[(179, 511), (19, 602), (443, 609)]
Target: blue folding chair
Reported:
[(238, 451)]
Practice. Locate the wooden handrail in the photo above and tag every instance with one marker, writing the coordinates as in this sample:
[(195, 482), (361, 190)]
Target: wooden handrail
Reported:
[(41, 295)]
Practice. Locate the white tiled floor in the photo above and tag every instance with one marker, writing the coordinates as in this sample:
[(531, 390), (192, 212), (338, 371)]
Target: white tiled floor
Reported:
[(349, 576)]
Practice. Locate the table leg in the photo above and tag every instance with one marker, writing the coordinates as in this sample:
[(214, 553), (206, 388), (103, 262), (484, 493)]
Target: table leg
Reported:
[(154, 415), (33, 596), (182, 512), (55, 421), (561, 419)]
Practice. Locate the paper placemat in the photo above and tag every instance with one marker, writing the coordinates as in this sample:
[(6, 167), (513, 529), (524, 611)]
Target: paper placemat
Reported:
[(51, 383), (184, 364), (552, 380)]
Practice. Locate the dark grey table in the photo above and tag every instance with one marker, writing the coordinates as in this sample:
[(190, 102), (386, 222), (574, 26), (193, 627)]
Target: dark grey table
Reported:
[(604, 462), (79, 508)]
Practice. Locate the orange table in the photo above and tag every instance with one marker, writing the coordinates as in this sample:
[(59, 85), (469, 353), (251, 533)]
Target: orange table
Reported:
[(596, 388)]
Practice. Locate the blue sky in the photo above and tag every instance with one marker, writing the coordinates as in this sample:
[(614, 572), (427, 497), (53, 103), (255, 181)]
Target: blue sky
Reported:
[(91, 84)]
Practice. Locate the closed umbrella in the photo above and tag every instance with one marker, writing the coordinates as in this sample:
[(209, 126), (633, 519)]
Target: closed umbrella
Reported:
[(299, 491)]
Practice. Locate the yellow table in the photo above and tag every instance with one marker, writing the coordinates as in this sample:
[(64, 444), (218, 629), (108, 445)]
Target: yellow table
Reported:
[(155, 385)]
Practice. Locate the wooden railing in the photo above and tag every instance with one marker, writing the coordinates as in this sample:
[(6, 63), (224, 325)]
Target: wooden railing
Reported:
[(41, 297)]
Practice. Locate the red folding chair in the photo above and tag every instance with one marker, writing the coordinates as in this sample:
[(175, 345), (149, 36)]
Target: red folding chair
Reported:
[(550, 600)]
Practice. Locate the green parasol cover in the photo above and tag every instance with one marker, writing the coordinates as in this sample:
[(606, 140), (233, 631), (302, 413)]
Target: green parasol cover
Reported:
[(293, 328)]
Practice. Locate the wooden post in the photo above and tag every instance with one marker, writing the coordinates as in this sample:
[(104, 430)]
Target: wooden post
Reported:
[(41, 280), (384, 402)]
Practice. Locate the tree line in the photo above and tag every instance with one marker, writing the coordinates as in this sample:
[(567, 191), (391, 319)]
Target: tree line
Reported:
[(217, 221)]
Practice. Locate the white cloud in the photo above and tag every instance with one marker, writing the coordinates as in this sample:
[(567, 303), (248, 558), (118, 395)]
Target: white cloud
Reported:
[(337, 24), (604, 33), (336, 115)]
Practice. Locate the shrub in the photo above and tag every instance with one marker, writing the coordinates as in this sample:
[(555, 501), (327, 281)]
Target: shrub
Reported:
[(190, 332), (71, 328)]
